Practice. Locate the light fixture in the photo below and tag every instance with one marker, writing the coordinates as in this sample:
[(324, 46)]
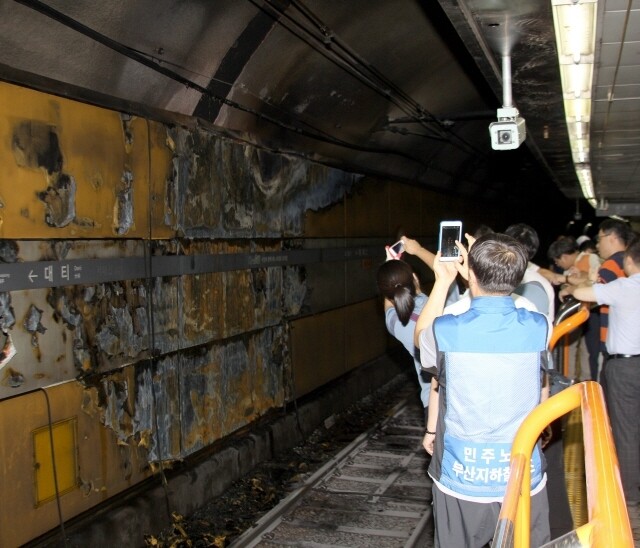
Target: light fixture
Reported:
[(575, 25)]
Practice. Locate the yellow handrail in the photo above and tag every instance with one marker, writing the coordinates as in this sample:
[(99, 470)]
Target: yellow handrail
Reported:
[(564, 328), (608, 520), (568, 324)]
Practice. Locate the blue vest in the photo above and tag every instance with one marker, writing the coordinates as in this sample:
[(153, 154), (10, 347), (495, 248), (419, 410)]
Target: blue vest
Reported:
[(489, 369)]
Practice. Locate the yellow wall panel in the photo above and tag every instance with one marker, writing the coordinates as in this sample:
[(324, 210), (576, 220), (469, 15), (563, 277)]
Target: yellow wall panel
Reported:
[(326, 223), (364, 212), (317, 350), (368, 210), (104, 467), (70, 169), (366, 336), (405, 213), (435, 208)]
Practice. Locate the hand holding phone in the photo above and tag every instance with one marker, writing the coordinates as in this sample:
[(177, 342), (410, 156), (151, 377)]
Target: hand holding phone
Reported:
[(450, 231), (396, 250)]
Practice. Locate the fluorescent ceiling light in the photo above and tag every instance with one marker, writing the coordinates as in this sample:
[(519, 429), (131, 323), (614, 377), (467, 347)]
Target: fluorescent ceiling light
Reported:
[(575, 30), (575, 26), (576, 80)]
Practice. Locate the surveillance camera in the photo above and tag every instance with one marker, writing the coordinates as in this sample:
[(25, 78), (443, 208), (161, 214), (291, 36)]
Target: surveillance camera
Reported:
[(507, 134)]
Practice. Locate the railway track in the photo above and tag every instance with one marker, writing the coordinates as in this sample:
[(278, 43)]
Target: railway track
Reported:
[(375, 492)]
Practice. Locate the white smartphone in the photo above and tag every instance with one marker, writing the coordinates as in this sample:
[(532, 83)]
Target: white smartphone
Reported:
[(397, 249), (450, 231)]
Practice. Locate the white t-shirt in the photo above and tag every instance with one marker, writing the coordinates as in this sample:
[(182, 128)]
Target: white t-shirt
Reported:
[(532, 275)]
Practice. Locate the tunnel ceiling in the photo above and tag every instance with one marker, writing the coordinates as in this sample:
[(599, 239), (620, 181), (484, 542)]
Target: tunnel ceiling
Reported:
[(403, 89)]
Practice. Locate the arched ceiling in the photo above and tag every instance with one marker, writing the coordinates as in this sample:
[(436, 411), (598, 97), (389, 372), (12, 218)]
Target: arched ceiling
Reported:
[(403, 89)]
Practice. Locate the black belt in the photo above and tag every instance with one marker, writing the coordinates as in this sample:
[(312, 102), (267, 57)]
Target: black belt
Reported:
[(619, 356)]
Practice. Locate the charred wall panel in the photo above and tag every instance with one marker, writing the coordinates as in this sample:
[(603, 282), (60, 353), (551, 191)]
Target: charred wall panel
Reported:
[(46, 143), (225, 386), (162, 190), (166, 412), (62, 332), (205, 321), (220, 189), (295, 291), (166, 318), (270, 176), (312, 187)]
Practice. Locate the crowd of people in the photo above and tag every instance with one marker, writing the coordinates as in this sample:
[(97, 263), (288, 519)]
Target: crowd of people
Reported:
[(481, 358)]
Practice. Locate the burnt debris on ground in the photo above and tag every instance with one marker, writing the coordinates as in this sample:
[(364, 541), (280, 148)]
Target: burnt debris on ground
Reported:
[(227, 516)]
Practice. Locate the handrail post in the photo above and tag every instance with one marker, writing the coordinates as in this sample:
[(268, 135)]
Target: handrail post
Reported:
[(523, 521), (519, 485), (608, 519), (607, 505)]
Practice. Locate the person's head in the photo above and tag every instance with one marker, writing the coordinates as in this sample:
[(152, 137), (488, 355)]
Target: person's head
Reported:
[(631, 260), (527, 236), (613, 236), (481, 231), (563, 252), (588, 246), (497, 262), (397, 284)]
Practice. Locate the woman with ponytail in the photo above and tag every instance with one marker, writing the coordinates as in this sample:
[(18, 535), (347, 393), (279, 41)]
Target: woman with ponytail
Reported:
[(403, 302)]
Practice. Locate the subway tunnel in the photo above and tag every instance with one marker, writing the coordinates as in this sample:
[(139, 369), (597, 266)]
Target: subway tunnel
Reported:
[(195, 196)]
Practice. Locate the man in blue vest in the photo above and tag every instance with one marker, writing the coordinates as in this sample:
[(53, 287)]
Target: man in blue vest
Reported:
[(489, 365)]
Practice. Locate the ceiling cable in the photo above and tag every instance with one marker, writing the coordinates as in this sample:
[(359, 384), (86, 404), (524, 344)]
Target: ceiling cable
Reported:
[(387, 90), (355, 67), (421, 113), (315, 134)]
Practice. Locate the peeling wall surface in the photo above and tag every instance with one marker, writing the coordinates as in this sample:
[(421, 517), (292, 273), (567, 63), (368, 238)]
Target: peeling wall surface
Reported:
[(151, 277), (218, 197)]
